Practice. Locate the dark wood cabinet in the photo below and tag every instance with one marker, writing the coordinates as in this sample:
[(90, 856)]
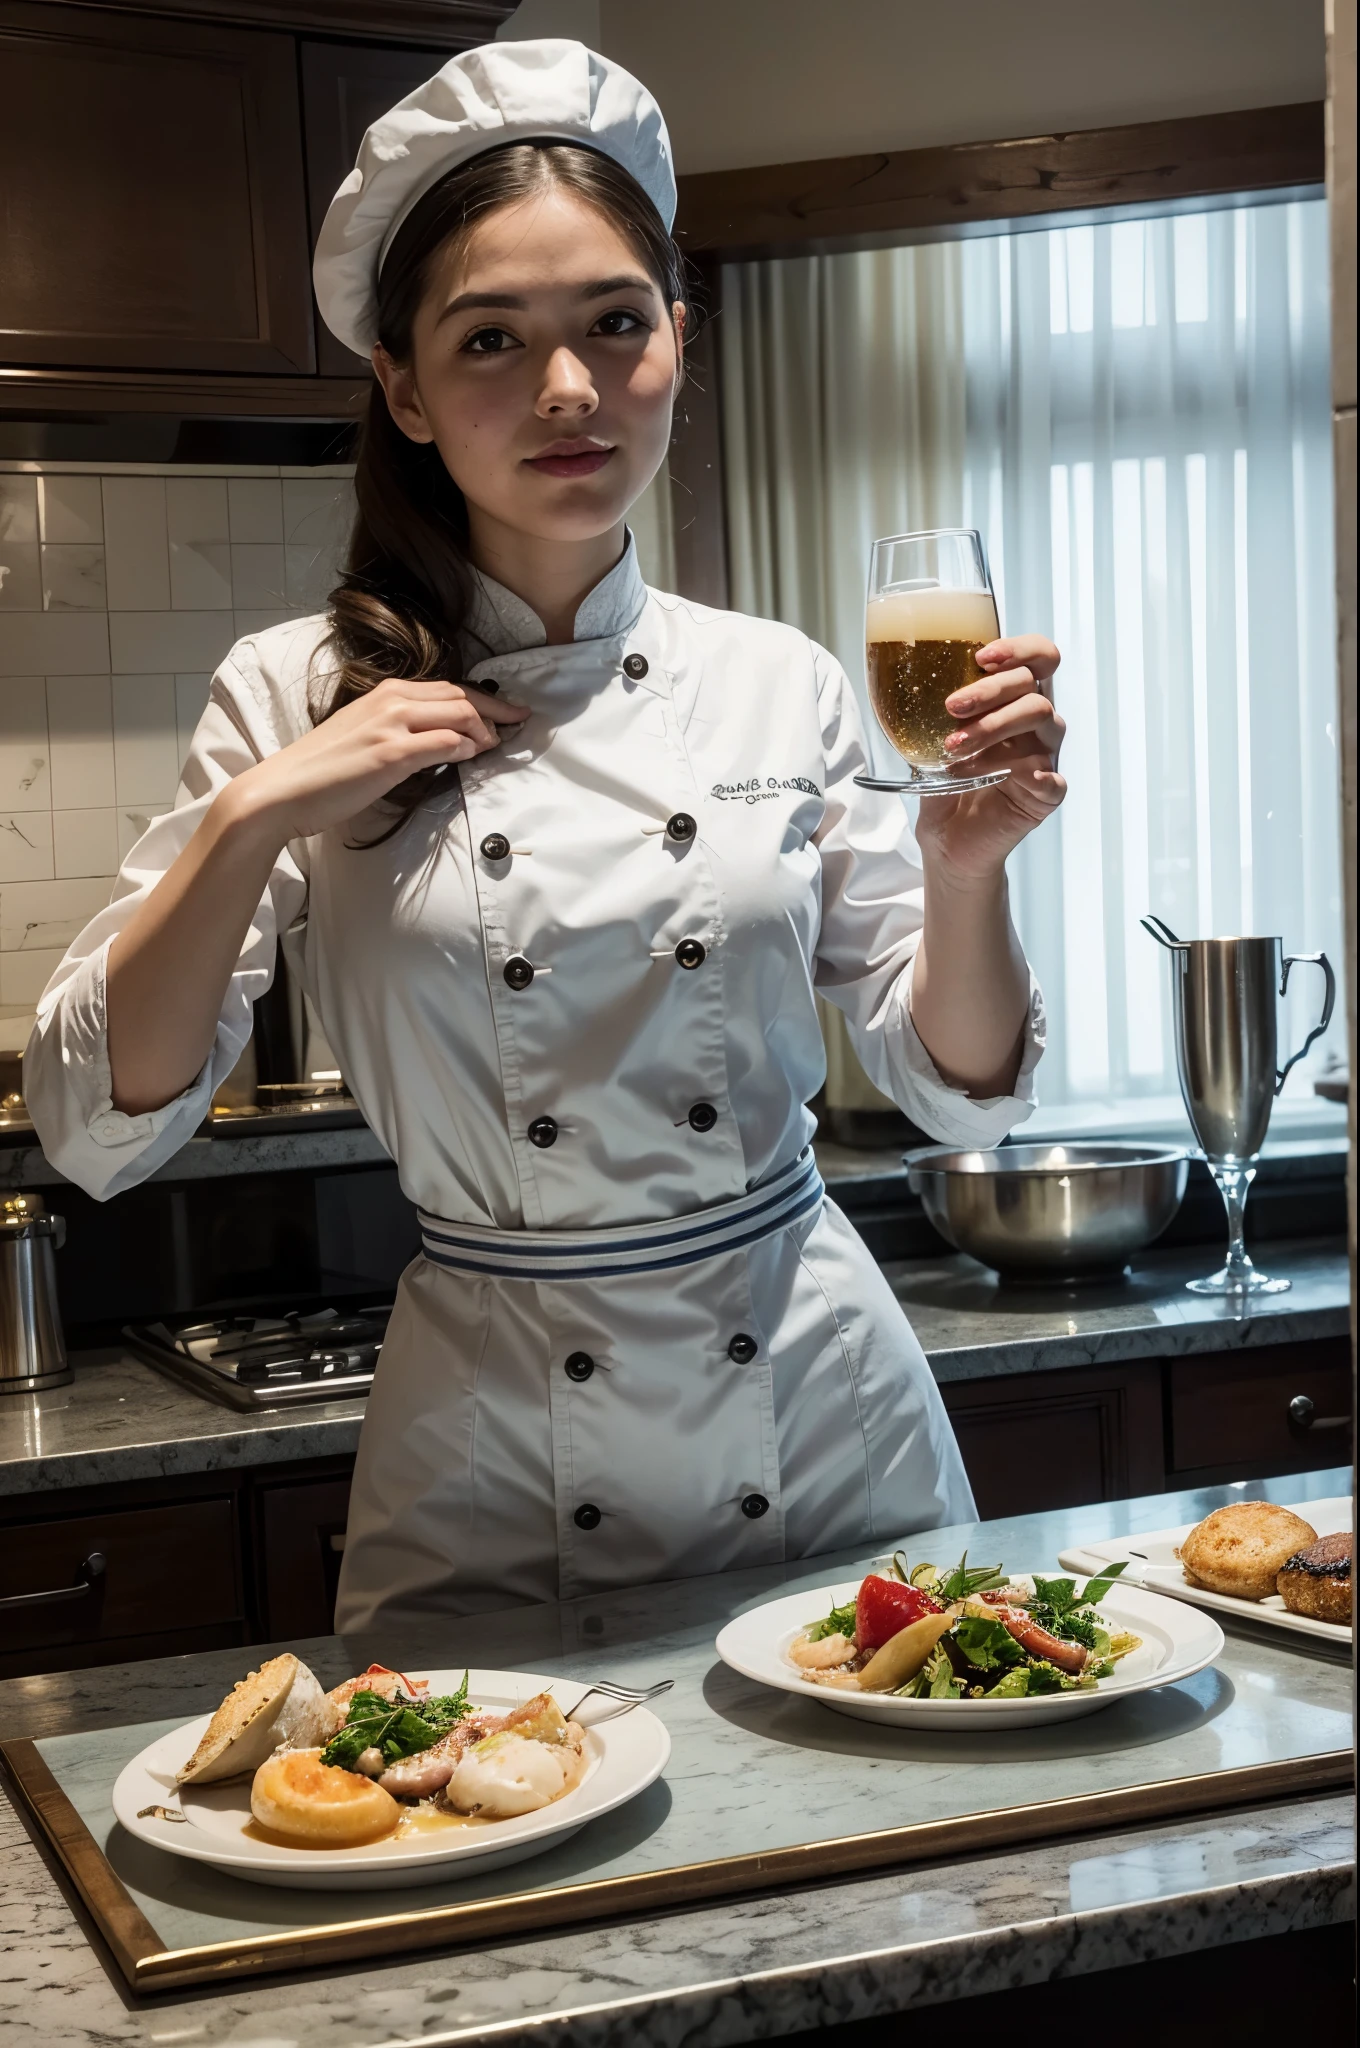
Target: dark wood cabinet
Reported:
[(106, 1584), (166, 1567), (1277, 1408), (154, 197), (165, 165), (1059, 1439), (344, 90), (299, 1541)]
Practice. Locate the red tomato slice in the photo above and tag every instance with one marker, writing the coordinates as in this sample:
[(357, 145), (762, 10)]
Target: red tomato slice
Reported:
[(886, 1606)]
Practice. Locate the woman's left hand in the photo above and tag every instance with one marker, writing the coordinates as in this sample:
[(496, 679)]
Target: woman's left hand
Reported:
[(1006, 720)]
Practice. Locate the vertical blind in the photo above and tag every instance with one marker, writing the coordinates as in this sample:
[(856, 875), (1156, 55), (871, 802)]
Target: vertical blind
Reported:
[(1137, 418)]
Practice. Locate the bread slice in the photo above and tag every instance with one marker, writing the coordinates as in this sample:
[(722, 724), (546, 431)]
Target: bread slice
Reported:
[(279, 1706)]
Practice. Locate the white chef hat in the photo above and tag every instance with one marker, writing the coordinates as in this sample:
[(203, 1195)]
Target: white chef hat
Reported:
[(549, 90)]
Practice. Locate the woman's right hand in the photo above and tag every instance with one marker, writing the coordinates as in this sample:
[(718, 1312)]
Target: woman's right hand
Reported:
[(362, 751)]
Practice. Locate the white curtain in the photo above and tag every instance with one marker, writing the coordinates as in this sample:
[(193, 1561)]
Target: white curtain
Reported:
[(653, 530), (1146, 449), (843, 418)]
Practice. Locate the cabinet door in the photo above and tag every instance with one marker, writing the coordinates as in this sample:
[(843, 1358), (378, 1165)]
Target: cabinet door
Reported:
[(154, 200), (301, 1536), (1277, 1408), (1059, 1439), (344, 90), (136, 1582)]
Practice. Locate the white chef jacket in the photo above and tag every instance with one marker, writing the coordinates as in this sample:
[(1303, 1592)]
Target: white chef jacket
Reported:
[(541, 1431)]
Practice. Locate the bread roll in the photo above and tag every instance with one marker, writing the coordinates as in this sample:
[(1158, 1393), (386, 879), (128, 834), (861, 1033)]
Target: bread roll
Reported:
[(1239, 1549), (1317, 1581), (318, 1806), (280, 1706)]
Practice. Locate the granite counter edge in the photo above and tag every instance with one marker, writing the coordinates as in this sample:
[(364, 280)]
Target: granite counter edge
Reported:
[(937, 1972), (183, 1457), (1009, 1356)]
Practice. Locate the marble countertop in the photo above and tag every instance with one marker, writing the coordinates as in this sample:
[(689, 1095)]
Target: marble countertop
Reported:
[(973, 1326), (122, 1420), (720, 1974), (219, 1158)]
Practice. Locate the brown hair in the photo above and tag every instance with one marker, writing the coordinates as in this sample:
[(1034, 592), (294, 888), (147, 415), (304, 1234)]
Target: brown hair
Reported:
[(407, 583)]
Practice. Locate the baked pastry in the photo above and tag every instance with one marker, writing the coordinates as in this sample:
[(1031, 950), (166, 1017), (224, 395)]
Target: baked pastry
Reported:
[(1239, 1549), (318, 1806), (280, 1706), (1317, 1581)]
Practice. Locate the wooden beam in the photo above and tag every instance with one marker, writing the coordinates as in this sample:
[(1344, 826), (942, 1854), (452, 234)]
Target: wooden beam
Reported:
[(441, 24), (836, 203), (52, 394)]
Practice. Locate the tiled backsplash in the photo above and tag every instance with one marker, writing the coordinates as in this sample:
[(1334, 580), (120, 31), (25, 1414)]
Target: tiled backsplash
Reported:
[(119, 595)]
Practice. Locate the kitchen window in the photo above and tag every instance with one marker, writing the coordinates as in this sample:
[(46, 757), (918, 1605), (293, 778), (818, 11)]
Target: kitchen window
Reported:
[(1137, 417)]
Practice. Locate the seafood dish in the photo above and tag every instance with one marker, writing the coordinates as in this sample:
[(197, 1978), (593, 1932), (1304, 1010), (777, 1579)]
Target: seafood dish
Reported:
[(351, 1766), (965, 1633)]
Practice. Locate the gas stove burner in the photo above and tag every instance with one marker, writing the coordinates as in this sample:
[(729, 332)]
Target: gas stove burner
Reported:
[(269, 1361)]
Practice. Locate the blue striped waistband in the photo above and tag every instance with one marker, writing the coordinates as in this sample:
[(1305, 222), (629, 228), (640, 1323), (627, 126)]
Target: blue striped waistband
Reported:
[(628, 1247)]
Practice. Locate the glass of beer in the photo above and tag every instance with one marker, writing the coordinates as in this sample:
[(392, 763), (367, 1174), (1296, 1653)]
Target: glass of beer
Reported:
[(929, 610)]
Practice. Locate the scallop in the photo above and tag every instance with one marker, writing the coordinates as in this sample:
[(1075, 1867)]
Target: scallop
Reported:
[(509, 1774)]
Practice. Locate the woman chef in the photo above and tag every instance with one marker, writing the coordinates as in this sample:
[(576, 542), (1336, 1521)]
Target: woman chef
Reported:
[(570, 978)]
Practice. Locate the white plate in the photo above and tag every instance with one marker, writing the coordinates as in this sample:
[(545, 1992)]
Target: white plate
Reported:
[(1162, 1573), (626, 1756), (1175, 1645)]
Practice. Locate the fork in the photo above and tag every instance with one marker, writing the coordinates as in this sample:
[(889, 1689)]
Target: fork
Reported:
[(622, 1699)]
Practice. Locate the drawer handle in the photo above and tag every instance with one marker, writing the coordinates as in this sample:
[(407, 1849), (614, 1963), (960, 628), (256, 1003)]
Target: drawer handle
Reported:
[(87, 1578), (1305, 1416)]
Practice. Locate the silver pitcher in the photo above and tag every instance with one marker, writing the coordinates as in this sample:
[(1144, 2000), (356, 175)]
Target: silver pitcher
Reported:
[(32, 1348), (1223, 995)]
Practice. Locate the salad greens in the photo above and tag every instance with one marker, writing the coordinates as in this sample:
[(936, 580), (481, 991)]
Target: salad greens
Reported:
[(840, 1622), (954, 1585), (395, 1728)]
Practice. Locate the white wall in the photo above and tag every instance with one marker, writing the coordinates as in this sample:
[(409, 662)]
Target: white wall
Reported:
[(119, 594), (774, 81)]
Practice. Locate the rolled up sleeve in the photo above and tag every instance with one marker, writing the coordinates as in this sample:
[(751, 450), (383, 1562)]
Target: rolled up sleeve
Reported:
[(873, 909), (68, 1087)]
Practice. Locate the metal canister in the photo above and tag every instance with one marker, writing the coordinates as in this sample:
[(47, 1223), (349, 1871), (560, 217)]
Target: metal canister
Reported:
[(32, 1348)]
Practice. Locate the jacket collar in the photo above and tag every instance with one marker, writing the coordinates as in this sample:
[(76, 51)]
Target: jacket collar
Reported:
[(499, 623)]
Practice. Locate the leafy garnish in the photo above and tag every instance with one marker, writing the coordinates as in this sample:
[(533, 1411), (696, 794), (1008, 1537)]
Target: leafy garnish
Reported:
[(1074, 1626), (934, 1681), (959, 1583), (1057, 1606), (988, 1645), (840, 1622), (395, 1728), (1096, 1589), (1014, 1686), (1058, 1595)]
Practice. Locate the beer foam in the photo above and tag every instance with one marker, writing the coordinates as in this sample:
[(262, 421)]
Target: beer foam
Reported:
[(932, 613)]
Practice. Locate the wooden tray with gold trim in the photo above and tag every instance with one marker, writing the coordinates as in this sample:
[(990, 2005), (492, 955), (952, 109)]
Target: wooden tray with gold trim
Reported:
[(313, 1928)]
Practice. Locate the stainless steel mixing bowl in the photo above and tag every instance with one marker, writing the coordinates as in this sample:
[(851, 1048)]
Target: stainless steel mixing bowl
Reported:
[(1050, 1211)]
